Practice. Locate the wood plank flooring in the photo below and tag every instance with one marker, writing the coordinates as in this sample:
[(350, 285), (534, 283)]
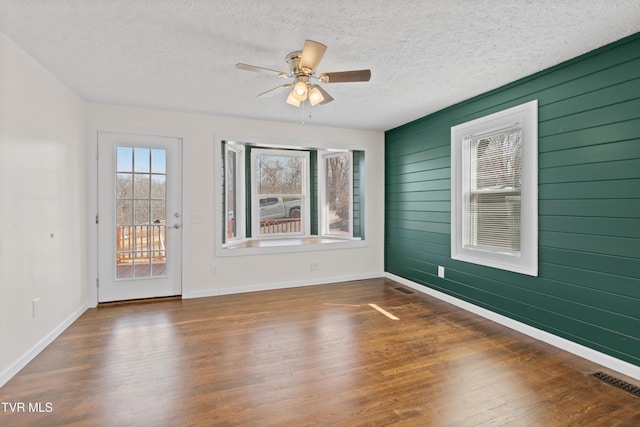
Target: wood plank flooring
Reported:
[(311, 356)]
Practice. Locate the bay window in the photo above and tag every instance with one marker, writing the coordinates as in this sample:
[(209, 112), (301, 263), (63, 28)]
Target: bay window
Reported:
[(274, 195)]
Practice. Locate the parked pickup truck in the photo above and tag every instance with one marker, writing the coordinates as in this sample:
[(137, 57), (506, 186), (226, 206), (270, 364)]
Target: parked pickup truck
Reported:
[(278, 207)]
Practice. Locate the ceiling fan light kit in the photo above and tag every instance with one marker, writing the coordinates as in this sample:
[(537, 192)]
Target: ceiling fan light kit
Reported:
[(302, 68)]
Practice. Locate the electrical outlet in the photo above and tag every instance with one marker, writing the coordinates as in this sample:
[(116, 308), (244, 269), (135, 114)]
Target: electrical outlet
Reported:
[(440, 271), (35, 308), (214, 269), (315, 266)]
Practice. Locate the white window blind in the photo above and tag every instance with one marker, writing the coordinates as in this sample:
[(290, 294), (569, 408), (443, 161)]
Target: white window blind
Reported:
[(493, 204)]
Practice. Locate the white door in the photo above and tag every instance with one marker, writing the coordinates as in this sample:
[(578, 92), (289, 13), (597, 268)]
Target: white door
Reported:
[(139, 216)]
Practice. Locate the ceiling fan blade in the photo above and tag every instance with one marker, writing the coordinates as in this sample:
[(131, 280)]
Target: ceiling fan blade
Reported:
[(271, 92), (312, 53), (262, 70), (327, 98), (346, 76)]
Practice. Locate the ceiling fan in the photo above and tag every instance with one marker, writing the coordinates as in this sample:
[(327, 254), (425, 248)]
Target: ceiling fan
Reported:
[(302, 68)]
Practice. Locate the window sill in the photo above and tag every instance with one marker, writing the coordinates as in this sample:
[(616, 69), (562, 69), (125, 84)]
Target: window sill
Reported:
[(287, 245)]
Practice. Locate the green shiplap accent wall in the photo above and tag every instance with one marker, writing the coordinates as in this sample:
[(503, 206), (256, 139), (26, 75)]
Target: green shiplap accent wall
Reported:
[(588, 288)]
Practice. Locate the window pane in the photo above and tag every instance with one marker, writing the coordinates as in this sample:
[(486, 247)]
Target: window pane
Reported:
[(124, 186), (158, 186), (338, 195), (157, 243), (159, 161), (141, 159), (141, 186), (125, 266), (142, 264), (141, 212), (280, 215), (124, 159), (231, 202), (278, 174), (158, 212), (495, 221), (124, 212), (498, 160), (494, 200)]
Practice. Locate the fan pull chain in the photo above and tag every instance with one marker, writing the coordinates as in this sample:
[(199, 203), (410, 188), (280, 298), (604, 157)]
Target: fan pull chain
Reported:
[(303, 112)]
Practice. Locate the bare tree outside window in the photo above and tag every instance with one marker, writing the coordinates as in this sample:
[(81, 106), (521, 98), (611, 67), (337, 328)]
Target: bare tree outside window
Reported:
[(338, 194), (278, 175), (279, 187)]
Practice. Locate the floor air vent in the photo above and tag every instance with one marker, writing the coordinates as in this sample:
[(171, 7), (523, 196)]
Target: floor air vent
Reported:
[(404, 290), (617, 382)]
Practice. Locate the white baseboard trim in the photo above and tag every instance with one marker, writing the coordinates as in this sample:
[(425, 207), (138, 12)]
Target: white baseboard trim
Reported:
[(278, 285), (21, 362), (605, 360)]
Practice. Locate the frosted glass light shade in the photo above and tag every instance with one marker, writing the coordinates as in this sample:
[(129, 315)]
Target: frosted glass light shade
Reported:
[(292, 100), (315, 96)]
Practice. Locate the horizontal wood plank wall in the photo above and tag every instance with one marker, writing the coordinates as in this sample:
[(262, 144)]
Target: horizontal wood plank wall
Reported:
[(588, 288)]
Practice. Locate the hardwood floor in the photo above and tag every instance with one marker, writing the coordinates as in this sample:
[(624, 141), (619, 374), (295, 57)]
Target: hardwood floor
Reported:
[(312, 356)]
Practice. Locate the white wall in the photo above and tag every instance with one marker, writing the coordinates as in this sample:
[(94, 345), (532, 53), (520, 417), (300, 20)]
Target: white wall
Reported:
[(42, 207), (47, 199), (244, 273)]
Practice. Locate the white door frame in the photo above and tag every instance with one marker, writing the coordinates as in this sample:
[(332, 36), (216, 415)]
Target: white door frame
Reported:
[(92, 208)]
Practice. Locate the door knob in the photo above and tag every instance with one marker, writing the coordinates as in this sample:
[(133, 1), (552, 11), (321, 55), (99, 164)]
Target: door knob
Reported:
[(175, 226)]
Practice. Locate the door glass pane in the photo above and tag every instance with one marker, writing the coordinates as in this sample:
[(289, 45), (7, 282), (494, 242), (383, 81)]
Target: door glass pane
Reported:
[(141, 186), (158, 212), (159, 161), (141, 159), (140, 212), (158, 186), (124, 212), (124, 184), (142, 264), (124, 162)]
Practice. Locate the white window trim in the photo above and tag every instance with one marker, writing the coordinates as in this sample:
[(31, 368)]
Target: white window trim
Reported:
[(322, 190), (526, 115), (305, 214)]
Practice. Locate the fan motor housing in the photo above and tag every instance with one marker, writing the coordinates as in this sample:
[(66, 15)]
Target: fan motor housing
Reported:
[(293, 59)]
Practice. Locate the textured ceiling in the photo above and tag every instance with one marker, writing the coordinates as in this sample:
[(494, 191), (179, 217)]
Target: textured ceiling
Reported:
[(424, 55)]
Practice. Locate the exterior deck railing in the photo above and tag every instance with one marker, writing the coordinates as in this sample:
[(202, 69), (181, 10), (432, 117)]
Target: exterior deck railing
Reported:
[(147, 241), (280, 225)]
